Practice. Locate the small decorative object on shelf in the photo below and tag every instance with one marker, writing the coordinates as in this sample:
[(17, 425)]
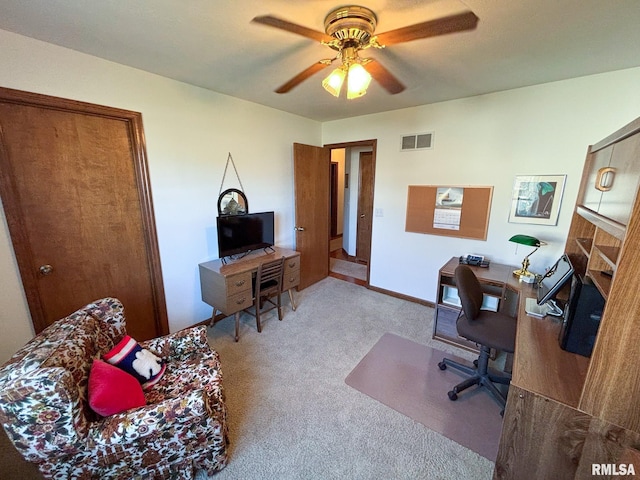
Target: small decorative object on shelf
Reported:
[(523, 273)]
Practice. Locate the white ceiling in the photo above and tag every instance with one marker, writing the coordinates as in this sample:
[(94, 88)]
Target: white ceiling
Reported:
[(213, 44)]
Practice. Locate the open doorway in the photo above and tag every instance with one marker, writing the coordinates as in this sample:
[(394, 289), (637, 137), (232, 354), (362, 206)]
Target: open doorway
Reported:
[(352, 188)]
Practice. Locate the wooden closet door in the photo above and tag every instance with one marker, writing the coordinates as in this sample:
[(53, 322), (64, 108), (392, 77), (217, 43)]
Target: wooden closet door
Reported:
[(76, 195)]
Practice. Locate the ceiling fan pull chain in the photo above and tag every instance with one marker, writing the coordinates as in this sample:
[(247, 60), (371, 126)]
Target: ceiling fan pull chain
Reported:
[(225, 173)]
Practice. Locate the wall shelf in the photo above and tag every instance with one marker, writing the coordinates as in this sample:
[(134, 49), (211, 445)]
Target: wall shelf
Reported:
[(609, 254), (585, 245)]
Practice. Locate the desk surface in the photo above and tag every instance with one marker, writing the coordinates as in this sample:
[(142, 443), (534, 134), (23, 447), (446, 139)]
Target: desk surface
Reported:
[(496, 273), (248, 262), (540, 365)]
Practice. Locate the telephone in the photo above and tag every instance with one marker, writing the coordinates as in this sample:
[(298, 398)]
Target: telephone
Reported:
[(474, 261)]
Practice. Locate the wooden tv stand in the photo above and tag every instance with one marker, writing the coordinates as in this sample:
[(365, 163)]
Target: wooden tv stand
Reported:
[(227, 287)]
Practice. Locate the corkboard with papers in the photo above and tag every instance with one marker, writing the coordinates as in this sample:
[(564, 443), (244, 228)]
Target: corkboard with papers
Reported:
[(451, 211)]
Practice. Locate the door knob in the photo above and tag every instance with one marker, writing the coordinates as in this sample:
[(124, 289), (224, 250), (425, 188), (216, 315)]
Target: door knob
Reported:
[(298, 229), (45, 269)]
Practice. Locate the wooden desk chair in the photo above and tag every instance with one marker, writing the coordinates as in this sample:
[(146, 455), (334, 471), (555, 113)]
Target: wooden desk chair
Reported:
[(268, 284)]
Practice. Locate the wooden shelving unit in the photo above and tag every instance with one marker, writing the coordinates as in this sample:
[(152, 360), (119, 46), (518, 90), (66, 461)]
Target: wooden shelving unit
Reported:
[(553, 406)]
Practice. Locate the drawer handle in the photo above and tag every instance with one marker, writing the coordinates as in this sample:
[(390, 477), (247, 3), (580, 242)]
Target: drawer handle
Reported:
[(240, 301), (239, 283), (292, 279), (604, 179), (292, 264)]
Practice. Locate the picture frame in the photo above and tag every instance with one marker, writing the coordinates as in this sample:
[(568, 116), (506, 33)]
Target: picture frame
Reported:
[(536, 199)]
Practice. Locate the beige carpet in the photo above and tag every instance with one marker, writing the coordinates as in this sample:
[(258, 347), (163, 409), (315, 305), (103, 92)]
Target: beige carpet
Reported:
[(403, 375), (350, 269), (292, 416)]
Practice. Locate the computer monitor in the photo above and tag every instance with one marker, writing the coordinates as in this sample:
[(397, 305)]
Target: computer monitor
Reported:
[(551, 283)]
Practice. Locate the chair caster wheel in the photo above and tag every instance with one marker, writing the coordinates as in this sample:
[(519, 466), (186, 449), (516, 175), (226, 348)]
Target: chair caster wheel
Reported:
[(453, 396), (475, 363), (442, 366)]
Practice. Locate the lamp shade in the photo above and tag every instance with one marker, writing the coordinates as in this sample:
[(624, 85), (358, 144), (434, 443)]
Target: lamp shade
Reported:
[(358, 81), (526, 240), (333, 83), (523, 273)]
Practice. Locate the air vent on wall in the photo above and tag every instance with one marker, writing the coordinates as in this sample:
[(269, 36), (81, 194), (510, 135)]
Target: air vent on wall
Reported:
[(416, 141)]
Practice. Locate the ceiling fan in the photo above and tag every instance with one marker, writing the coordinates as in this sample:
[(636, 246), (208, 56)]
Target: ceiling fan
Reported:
[(350, 29)]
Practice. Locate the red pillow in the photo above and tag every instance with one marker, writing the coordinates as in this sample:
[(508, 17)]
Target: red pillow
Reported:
[(112, 390)]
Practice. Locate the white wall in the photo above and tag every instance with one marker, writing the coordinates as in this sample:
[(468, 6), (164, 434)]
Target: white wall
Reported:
[(189, 132), (484, 140)]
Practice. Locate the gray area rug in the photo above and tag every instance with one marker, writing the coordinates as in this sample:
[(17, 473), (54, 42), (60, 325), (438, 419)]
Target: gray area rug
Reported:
[(403, 375), (292, 416), (350, 269)]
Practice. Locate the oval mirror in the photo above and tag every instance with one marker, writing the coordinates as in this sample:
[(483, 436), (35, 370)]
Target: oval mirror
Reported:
[(232, 202)]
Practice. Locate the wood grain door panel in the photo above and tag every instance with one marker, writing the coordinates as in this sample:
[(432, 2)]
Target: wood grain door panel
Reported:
[(311, 171), (76, 197), (365, 208)]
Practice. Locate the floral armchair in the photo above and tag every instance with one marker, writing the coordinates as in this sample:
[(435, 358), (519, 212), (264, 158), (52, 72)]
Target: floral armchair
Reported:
[(45, 412)]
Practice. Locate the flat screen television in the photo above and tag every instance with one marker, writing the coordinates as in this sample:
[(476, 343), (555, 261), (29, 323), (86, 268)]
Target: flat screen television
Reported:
[(551, 283), (239, 234)]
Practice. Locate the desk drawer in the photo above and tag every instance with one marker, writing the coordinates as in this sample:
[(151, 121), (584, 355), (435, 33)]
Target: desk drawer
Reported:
[(292, 264), (239, 283), (291, 279), (239, 301)]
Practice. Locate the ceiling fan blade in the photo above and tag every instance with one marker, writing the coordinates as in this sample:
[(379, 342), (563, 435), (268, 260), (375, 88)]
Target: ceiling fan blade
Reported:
[(303, 75), (292, 27), (384, 77), (432, 28)]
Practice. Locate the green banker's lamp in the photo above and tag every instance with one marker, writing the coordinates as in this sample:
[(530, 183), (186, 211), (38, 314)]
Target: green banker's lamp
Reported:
[(523, 273)]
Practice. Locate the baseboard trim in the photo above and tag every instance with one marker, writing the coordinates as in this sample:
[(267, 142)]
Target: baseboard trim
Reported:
[(402, 296), (357, 281), (346, 278)]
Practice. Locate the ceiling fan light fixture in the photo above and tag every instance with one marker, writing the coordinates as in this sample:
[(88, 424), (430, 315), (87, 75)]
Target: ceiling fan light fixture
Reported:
[(358, 81), (333, 83)]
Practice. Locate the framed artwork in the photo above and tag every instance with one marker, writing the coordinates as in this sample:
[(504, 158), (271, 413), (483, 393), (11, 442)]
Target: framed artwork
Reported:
[(536, 199)]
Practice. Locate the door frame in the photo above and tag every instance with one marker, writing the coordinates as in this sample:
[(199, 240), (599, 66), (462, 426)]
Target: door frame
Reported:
[(17, 228), (373, 144)]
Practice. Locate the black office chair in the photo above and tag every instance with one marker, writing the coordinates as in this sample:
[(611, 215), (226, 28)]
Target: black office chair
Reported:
[(268, 284), (488, 329)]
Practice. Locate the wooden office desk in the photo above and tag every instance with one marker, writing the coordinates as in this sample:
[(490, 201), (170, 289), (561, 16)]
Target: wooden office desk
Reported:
[(543, 425), (540, 365), (542, 420), (500, 288), (228, 287)]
